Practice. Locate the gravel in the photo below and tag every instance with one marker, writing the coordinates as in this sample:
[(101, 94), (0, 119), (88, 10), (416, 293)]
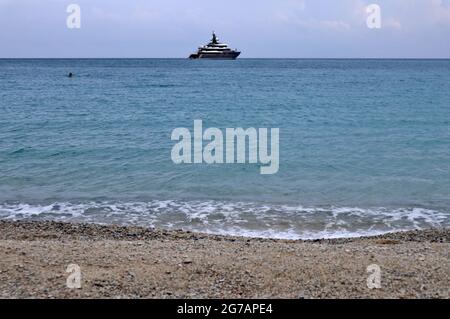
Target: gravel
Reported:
[(134, 262)]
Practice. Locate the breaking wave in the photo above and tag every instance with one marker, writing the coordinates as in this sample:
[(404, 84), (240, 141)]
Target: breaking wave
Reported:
[(238, 219)]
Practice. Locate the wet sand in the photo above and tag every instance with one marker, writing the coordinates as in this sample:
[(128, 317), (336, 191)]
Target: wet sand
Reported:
[(133, 262)]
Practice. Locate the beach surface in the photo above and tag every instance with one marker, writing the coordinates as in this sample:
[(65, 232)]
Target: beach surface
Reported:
[(134, 262)]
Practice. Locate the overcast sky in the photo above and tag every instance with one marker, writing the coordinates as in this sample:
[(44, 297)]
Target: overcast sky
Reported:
[(259, 28)]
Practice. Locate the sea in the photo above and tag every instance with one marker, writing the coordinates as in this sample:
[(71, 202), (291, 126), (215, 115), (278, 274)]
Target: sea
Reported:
[(364, 145)]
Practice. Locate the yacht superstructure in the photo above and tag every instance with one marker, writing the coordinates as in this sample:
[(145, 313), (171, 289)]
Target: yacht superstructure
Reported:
[(215, 50)]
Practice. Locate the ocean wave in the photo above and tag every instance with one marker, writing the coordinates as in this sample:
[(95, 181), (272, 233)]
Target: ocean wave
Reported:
[(236, 218)]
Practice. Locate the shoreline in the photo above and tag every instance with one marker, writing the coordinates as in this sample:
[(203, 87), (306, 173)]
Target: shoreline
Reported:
[(136, 262), (47, 229)]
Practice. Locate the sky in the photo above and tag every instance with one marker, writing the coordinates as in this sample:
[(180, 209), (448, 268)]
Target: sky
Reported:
[(258, 28)]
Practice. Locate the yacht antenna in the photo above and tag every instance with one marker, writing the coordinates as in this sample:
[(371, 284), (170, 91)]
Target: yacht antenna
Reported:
[(214, 38)]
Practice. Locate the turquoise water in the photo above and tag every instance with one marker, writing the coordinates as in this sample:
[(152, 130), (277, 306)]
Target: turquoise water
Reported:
[(364, 144)]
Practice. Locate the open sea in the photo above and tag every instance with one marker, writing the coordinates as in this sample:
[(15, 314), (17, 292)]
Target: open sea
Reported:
[(364, 144)]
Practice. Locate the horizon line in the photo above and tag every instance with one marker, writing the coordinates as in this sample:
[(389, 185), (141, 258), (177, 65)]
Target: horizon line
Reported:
[(248, 58)]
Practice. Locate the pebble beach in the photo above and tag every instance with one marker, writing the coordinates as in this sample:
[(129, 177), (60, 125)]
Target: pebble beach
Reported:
[(135, 262)]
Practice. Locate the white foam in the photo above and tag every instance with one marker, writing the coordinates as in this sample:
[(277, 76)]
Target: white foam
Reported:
[(237, 219)]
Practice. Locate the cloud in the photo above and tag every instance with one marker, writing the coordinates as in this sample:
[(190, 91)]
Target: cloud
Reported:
[(296, 14), (441, 12), (322, 25), (392, 23), (418, 15), (99, 13)]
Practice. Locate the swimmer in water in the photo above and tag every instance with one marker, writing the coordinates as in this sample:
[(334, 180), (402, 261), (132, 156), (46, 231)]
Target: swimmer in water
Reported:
[(70, 74)]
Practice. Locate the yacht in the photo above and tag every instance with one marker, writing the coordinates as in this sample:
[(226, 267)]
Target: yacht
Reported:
[(215, 50)]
